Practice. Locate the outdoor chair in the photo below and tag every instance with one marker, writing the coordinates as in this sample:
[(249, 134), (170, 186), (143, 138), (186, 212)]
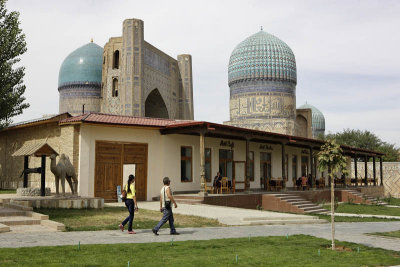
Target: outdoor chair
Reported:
[(321, 183), (209, 188), (294, 181), (278, 184), (224, 185)]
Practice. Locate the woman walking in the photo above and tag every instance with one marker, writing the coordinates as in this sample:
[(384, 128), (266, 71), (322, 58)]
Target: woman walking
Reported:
[(130, 203)]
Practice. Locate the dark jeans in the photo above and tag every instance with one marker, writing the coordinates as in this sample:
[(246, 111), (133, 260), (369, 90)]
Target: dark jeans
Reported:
[(167, 216), (130, 204)]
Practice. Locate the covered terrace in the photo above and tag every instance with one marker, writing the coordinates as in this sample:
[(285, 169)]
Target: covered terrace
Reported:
[(308, 146)]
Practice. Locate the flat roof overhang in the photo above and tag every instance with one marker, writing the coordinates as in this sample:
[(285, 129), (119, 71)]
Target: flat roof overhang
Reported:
[(215, 130)]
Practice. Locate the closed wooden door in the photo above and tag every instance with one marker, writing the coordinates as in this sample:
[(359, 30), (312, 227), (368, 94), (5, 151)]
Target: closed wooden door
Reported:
[(108, 170), (140, 182), (110, 159)]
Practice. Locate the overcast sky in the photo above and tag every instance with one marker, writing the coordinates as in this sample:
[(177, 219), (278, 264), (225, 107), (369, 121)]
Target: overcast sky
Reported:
[(347, 52)]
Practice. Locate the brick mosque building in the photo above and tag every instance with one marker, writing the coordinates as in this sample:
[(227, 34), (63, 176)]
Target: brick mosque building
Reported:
[(128, 108), (128, 77)]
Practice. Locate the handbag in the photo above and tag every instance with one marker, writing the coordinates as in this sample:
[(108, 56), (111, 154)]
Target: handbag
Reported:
[(167, 204)]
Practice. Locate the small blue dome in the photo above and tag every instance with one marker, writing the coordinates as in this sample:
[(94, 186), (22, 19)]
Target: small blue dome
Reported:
[(262, 56), (318, 120), (84, 65)]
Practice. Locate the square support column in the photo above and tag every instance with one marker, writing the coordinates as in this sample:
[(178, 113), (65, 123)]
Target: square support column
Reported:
[(381, 169), (366, 170), (203, 191), (374, 170), (355, 171), (247, 167), (311, 169), (26, 166), (43, 177), (283, 166)]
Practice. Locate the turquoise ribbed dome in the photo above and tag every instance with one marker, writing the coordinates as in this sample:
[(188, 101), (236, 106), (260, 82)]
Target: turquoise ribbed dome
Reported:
[(318, 119), (84, 65), (262, 56)]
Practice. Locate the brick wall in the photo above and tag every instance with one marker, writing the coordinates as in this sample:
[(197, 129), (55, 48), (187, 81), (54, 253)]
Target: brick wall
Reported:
[(238, 201), (63, 139)]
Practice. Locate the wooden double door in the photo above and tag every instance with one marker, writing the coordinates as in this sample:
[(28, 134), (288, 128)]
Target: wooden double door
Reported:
[(111, 157)]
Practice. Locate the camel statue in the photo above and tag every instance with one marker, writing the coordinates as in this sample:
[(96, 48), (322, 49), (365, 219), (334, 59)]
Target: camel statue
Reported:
[(64, 170)]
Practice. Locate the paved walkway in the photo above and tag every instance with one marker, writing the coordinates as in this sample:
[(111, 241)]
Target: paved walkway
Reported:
[(225, 215), (352, 232), (367, 215)]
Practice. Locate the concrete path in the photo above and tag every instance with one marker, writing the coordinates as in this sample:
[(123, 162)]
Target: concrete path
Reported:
[(366, 215), (352, 232), (227, 215)]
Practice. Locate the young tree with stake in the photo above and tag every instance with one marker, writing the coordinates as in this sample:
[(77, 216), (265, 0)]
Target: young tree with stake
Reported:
[(331, 158)]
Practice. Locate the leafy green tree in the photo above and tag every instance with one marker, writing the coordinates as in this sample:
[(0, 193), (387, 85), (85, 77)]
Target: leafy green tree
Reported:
[(331, 158), (365, 140), (12, 45)]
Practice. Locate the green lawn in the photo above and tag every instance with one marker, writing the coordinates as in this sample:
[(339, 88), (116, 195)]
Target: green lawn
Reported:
[(109, 219), (392, 201), (297, 250), (8, 191), (365, 209), (389, 234)]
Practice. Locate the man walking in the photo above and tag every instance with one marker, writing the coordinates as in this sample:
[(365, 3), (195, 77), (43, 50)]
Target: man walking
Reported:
[(166, 208)]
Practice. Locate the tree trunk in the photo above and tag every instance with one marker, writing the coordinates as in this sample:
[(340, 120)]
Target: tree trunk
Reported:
[(332, 211)]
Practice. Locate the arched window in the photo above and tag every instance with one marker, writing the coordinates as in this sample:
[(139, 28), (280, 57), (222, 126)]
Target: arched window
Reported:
[(116, 59), (115, 87)]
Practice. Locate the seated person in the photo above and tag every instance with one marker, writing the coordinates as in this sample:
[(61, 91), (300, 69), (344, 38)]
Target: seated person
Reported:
[(343, 179), (229, 184), (298, 182), (217, 180), (304, 181)]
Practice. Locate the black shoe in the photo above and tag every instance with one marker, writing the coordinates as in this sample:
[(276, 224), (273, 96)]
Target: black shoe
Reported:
[(175, 233), (154, 232)]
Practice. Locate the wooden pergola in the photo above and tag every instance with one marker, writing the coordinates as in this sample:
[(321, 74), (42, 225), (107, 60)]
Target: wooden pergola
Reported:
[(208, 129), (41, 150)]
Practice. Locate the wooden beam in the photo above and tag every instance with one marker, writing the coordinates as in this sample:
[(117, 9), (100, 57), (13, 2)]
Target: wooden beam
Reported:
[(26, 166), (202, 164), (374, 169), (311, 168), (283, 166), (247, 167), (43, 177), (381, 168), (366, 170), (355, 171)]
